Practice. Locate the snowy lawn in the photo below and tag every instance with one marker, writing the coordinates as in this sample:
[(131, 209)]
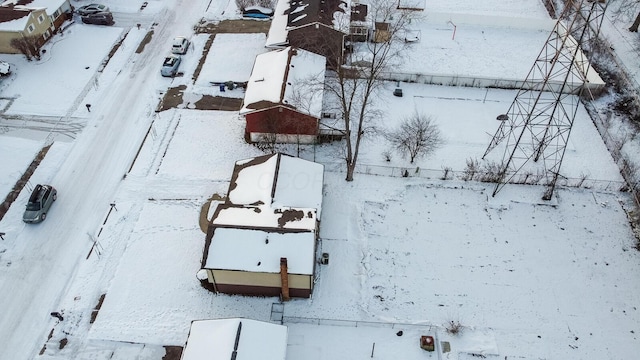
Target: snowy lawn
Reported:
[(524, 279), (67, 67)]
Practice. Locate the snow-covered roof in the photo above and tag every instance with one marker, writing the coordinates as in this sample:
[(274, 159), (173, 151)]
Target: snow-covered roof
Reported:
[(50, 5), (14, 19), (215, 340), (277, 180), (286, 77), (243, 216), (260, 251), (277, 36), (329, 12), (292, 14)]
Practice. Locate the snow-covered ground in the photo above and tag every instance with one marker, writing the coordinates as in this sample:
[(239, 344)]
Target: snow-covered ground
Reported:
[(525, 278)]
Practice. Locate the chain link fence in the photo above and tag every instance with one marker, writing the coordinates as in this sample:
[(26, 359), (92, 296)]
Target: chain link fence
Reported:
[(448, 174)]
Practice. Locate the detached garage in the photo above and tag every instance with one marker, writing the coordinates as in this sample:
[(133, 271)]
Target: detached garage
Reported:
[(239, 339)]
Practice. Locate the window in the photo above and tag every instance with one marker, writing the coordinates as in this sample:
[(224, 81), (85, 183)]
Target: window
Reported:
[(57, 13), (31, 28), (358, 30), (40, 19)]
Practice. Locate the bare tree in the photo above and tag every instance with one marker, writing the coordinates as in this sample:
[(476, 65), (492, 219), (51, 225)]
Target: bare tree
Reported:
[(417, 136), (27, 45), (626, 10), (356, 78), (243, 4)]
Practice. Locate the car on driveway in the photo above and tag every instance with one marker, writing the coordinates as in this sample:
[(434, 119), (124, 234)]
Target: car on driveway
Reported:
[(102, 18), (91, 9), (180, 45), (170, 65), (39, 203)]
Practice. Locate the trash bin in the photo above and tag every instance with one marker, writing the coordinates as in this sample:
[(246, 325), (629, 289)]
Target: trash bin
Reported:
[(221, 87)]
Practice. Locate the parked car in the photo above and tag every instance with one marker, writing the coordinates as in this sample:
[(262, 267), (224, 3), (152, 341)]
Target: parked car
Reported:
[(91, 9), (102, 18), (39, 203), (5, 68), (257, 12), (170, 65), (180, 45)]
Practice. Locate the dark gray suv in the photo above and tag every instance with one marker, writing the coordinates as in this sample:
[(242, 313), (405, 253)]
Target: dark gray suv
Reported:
[(39, 203)]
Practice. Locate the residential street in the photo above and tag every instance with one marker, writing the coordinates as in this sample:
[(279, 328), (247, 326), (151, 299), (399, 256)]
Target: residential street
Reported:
[(58, 246)]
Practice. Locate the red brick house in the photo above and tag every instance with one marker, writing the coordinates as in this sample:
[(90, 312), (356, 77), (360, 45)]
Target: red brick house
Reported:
[(283, 100)]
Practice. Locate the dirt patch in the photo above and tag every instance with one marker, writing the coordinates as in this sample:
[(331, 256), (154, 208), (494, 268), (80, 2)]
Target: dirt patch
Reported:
[(114, 49), (144, 42), (172, 98), (204, 211), (94, 313), (233, 26), (44, 347), (208, 102), (205, 51), (172, 353)]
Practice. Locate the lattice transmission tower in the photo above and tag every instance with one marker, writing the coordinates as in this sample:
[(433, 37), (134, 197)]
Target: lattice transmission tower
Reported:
[(538, 123)]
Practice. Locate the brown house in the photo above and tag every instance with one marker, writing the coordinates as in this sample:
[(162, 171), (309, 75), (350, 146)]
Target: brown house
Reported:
[(262, 240), (30, 19), (283, 100), (319, 26)]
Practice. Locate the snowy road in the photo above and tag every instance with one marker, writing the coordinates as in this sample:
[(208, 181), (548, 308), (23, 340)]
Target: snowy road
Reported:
[(48, 253)]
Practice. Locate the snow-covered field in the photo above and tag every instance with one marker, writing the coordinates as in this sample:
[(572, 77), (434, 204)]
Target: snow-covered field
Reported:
[(526, 279)]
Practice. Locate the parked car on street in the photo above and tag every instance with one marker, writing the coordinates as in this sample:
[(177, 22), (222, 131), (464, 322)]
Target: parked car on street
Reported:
[(180, 45), (39, 203), (102, 18), (257, 12), (5, 68), (91, 9), (170, 65)]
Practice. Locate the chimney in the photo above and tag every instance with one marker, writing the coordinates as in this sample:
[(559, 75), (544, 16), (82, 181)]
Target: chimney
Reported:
[(284, 279)]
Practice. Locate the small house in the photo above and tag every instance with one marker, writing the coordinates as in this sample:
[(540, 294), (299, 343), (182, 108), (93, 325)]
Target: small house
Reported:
[(263, 239), (239, 339), (318, 26), (283, 99)]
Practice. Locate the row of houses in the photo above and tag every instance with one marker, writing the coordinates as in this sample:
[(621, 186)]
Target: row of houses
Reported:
[(284, 96), (263, 239), (30, 22), (272, 211)]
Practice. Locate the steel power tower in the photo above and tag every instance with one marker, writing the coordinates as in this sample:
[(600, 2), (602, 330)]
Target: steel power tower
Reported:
[(538, 123)]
